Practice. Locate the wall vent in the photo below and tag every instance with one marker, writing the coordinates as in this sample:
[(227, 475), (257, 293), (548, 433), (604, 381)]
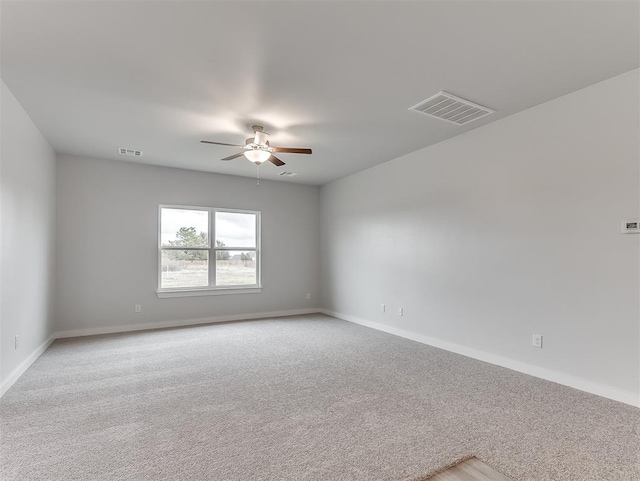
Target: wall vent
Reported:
[(287, 174), (631, 227), (134, 153), (453, 109)]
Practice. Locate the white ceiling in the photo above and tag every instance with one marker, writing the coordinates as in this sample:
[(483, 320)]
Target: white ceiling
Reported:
[(334, 76)]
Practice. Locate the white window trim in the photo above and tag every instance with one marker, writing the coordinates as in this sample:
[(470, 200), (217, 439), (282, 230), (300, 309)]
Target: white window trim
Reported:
[(211, 249), (206, 291)]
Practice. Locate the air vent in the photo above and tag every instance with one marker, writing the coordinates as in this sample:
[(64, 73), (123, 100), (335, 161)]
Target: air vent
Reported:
[(453, 109), (287, 174), (134, 153)]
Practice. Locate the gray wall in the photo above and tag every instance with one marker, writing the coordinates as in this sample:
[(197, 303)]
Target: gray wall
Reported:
[(502, 232), (27, 196), (510, 229), (107, 243)]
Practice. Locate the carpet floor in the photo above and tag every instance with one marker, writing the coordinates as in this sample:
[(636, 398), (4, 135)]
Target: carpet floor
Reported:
[(297, 398)]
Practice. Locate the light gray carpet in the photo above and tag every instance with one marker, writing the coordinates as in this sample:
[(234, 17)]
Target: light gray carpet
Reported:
[(303, 398)]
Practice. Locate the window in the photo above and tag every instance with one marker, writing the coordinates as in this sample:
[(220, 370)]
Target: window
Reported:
[(208, 251)]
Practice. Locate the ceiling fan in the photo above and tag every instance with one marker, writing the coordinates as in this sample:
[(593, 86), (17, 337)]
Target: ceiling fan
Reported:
[(258, 150)]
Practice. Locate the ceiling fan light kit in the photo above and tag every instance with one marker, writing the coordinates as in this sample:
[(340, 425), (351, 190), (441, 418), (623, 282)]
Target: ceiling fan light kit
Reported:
[(257, 156)]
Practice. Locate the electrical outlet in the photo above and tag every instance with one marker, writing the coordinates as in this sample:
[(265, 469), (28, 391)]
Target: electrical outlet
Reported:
[(383, 308), (537, 340), (16, 342), (138, 308), (400, 311), (308, 295)]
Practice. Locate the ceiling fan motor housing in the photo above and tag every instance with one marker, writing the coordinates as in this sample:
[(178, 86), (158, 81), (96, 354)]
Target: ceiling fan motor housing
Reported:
[(261, 138)]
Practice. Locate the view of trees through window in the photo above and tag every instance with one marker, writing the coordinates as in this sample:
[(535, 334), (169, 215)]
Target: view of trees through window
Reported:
[(186, 254)]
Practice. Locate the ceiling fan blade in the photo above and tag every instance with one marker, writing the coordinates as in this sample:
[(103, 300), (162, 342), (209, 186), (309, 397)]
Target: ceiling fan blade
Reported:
[(220, 143), (291, 150), (235, 156), (275, 160)]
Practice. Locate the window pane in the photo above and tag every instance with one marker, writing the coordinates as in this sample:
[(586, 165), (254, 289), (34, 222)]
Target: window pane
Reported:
[(235, 230), (235, 268), (185, 268), (182, 227)]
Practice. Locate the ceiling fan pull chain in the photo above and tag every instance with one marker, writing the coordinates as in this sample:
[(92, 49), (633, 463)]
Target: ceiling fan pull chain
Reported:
[(258, 174)]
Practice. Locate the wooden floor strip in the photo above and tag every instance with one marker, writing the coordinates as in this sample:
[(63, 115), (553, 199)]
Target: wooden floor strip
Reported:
[(470, 470)]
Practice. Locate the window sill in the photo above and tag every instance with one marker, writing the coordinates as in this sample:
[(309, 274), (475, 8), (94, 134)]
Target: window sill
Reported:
[(218, 291)]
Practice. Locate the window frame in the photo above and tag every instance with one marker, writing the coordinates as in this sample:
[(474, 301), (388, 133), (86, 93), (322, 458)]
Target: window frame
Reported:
[(211, 248)]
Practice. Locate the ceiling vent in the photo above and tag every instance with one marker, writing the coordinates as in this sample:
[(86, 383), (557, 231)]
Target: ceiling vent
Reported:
[(453, 109), (287, 174), (134, 153)]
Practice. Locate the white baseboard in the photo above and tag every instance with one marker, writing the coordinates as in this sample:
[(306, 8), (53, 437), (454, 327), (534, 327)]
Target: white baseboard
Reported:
[(581, 384), (24, 365), (20, 370), (92, 331), (603, 390)]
